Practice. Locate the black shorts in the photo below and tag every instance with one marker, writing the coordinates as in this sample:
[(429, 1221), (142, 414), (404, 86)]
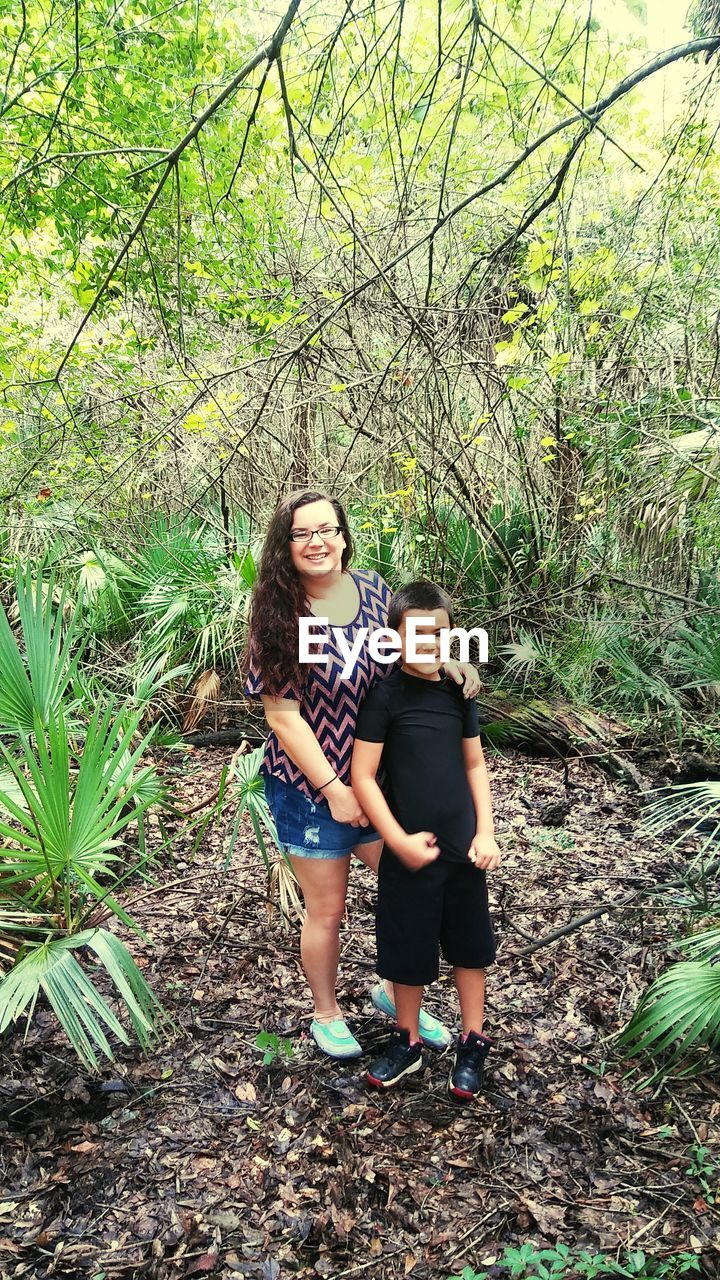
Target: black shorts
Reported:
[(445, 904)]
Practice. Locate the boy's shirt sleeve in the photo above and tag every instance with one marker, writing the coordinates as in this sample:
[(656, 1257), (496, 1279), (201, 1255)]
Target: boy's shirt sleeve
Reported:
[(374, 716), (471, 725)]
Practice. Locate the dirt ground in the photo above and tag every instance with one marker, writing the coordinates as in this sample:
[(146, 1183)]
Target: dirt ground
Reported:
[(198, 1159)]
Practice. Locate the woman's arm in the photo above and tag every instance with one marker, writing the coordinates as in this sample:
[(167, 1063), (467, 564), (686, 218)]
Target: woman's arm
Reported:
[(299, 742)]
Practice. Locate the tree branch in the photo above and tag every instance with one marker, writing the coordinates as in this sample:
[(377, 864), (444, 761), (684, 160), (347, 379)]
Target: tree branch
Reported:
[(267, 52)]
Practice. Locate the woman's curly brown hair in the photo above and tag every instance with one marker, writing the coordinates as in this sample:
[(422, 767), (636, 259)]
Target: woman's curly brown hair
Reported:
[(279, 598)]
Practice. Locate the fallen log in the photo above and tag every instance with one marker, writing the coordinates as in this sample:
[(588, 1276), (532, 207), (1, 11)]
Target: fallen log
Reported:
[(226, 737), (559, 729)]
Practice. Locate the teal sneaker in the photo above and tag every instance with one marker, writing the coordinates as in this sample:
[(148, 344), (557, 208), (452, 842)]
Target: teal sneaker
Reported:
[(432, 1031), (335, 1038)]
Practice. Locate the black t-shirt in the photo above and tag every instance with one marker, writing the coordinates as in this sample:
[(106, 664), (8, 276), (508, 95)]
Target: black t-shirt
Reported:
[(422, 724)]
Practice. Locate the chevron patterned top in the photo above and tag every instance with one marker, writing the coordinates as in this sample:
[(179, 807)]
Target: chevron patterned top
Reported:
[(330, 705)]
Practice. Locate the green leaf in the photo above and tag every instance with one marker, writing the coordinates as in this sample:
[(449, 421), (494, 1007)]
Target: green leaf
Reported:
[(520, 309), (83, 1013)]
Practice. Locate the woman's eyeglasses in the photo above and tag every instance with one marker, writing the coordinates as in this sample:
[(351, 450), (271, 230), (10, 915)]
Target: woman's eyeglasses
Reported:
[(327, 533)]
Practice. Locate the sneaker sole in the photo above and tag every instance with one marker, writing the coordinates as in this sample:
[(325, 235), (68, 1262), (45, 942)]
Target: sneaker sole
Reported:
[(461, 1095), (340, 1057), (388, 1084), (438, 1046)]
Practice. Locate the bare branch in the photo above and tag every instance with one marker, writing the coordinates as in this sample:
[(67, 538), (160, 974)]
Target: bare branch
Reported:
[(267, 52)]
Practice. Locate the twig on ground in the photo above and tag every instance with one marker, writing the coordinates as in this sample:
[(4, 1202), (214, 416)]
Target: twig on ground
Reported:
[(573, 925)]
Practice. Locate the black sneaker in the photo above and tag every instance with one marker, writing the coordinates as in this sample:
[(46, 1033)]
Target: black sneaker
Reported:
[(466, 1077), (399, 1059)]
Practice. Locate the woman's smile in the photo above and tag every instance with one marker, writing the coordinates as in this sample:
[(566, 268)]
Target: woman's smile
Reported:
[(325, 555)]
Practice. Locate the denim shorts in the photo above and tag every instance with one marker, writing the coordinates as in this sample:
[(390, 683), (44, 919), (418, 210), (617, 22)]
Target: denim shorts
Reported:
[(308, 830)]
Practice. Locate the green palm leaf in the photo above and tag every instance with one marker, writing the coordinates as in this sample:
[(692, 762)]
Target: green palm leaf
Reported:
[(703, 946), (37, 683), (82, 1011), (251, 794), (68, 824), (679, 1013), (693, 802), (681, 1010)]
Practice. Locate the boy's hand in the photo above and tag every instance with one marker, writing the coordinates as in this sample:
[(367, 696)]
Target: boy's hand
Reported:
[(484, 853), (418, 850)]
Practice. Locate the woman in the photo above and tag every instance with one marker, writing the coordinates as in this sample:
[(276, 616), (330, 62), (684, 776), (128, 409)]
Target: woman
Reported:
[(311, 714)]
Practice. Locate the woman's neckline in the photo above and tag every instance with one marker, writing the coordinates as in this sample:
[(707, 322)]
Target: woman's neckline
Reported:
[(351, 623)]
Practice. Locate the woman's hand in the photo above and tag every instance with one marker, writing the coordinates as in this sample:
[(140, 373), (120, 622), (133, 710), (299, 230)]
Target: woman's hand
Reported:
[(466, 675), (343, 805)]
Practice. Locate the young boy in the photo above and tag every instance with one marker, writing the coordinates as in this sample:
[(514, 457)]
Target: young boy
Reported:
[(439, 838)]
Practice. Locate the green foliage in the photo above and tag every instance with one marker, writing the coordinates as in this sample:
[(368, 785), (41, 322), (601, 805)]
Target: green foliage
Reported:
[(594, 659), (246, 791), (707, 1171), (36, 681), (67, 793), (247, 788), (563, 1263), (679, 1015), (84, 1014), (696, 654), (274, 1048), (504, 368), (180, 594)]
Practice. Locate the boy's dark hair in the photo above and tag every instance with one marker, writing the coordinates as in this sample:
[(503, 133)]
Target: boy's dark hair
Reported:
[(422, 594)]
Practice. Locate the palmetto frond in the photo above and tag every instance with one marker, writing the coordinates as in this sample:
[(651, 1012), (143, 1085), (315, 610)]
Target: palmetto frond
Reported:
[(695, 803), (680, 1013), (85, 1015), (247, 785), (189, 601), (62, 819), (67, 827), (34, 682), (250, 791), (203, 695)]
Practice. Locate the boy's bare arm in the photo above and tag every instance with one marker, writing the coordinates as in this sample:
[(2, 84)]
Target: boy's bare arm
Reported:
[(414, 850), (483, 851)]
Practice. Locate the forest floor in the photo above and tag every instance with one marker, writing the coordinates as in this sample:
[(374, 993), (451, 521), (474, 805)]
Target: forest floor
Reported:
[(198, 1160)]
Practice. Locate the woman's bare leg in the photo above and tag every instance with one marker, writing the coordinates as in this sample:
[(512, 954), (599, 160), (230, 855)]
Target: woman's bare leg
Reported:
[(370, 855), (323, 882)]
